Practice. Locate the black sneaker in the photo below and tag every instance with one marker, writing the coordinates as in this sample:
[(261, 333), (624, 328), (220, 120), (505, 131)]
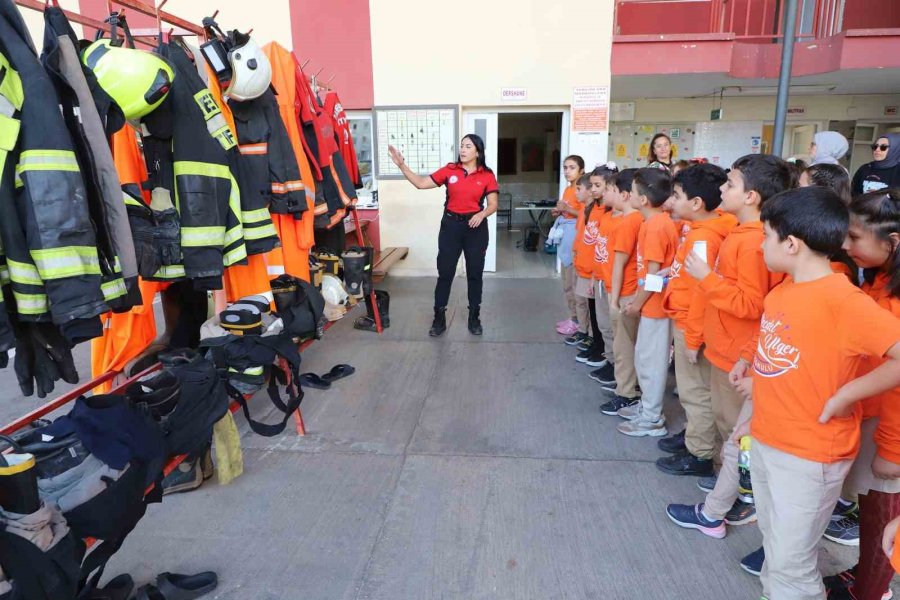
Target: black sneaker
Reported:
[(584, 355), (844, 531), (673, 444), (685, 463), (844, 579), (613, 407), (605, 375), (844, 508), (707, 484), (741, 513), (585, 344), (597, 360), (186, 477), (575, 339)]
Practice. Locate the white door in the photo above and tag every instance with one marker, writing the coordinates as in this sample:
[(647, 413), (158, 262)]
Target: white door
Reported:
[(485, 126), (801, 138)]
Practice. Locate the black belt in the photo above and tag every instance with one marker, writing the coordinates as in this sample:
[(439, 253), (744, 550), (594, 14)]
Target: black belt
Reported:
[(459, 216)]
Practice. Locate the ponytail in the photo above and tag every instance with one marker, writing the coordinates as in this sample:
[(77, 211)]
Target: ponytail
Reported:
[(879, 212)]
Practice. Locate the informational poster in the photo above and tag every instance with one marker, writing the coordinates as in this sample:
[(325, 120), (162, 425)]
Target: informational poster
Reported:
[(425, 135), (590, 109)]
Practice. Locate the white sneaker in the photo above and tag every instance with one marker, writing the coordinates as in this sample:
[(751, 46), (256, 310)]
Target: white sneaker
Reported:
[(640, 427), (630, 412)]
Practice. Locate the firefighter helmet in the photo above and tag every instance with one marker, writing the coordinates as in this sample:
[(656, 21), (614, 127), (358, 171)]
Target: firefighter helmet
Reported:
[(137, 80)]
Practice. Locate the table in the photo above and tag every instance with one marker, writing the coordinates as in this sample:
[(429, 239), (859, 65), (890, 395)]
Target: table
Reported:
[(538, 216)]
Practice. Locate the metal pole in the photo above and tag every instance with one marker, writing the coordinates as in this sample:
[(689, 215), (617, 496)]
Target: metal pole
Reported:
[(784, 78)]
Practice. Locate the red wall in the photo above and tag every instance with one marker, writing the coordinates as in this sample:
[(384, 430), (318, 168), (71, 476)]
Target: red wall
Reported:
[(336, 36), (871, 14), (662, 17)]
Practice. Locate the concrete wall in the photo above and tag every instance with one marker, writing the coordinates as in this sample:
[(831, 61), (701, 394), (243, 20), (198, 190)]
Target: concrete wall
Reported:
[(430, 53)]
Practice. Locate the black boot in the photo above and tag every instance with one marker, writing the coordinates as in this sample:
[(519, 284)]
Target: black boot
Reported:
[(439, 326), (475, 320)]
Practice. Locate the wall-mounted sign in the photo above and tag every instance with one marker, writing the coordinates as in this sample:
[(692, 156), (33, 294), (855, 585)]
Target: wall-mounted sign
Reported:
[(621, 111), (513, 94), (715, 114), (755, 143), (590, 109), (796, 110), (890, 111)]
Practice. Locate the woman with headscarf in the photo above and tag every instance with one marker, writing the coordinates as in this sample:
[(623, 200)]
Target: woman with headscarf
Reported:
[(828, 147), (884, 171)]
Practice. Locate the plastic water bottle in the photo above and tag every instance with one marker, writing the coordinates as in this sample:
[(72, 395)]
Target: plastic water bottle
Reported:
[(745, 485)]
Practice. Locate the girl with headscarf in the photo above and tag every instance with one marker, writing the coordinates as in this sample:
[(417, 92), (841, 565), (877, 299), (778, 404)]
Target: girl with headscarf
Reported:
[(884, 171), (828, 147)]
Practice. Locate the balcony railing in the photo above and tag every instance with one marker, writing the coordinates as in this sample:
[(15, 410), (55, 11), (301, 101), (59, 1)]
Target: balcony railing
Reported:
[(752, 20)]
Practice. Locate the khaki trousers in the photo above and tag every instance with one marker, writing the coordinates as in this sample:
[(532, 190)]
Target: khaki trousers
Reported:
[(624, 340), (568, 282), (701, 436), (794, 500), (721, 499), (604, 322), (651, 360), (726, 401)]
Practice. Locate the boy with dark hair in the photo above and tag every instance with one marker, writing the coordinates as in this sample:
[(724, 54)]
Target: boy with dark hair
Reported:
[(696, 199), (657, 241), (734, 291), (805, 412), (622, 291)]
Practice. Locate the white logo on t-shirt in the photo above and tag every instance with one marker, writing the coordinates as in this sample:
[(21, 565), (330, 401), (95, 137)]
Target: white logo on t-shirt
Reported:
[(454, 179)]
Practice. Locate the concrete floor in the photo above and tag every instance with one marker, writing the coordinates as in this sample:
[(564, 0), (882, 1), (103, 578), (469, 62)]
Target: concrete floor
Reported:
[(451, 468)]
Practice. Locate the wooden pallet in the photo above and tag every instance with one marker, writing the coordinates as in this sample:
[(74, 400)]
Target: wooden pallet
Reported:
[(386, 259)]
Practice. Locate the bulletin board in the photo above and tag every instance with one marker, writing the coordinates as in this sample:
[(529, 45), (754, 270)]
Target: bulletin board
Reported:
[(427, 136), (629, 142), (723, 142)]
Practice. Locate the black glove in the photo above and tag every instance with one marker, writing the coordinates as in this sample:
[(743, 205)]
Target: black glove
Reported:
[(43, 357)]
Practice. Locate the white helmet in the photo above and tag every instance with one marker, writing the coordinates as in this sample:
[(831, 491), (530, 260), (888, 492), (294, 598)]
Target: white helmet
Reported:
[(333, 290), (251, 72)]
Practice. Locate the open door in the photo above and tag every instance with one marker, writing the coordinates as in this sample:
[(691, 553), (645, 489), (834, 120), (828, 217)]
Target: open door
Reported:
[(485, 126)]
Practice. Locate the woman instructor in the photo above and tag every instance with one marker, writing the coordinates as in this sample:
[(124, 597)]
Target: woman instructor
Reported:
[(464, 228)]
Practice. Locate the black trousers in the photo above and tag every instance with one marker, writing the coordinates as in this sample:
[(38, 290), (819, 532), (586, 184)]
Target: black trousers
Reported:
[(455, 238)]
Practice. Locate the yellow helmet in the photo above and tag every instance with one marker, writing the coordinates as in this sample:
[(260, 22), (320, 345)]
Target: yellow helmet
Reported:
[(137, 80)]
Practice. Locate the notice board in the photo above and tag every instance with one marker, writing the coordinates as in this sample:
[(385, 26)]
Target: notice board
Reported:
[(427, 136)]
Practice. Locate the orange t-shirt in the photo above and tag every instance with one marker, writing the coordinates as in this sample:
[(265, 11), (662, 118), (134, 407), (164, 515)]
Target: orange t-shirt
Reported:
[(886, 405), (570, 197), (625, 241), (683, 300), (603, 251), (657, 242), (587, 234), (797, 368), (734, 294)]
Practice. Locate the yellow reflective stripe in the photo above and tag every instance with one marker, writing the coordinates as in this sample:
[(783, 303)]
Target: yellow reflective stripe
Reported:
[(113, 289), (194, 237), (235, 256), (11, 85), (187, 167), (4, 275), (24, 273), (248, 371), (131, 201), (70, 261), (170, 272), (257, 233), (253, 216), (30, 304), (232, 235), (215, 123), (47, 160), (19, 182)]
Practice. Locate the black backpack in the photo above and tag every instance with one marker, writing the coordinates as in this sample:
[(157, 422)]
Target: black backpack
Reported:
[(300, 305), (532, 239)]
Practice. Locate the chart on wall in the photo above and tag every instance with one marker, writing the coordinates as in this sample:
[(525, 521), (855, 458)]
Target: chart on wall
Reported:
[(425, 135), (629, 143)]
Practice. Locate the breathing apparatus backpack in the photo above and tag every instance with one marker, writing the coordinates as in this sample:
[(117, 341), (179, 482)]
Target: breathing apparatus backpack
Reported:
[(246, 357)]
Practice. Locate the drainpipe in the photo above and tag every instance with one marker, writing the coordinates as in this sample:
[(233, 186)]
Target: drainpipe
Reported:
[(784, 77)]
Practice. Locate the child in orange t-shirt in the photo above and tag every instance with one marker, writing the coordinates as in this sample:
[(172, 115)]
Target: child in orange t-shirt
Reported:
[(602, 356), (567, 209), (657, 242), (696, 198), (875, 474), (582, 261), (816, 329), (623, 287)]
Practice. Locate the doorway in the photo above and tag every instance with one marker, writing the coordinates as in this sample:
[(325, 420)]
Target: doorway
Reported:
[(525, 150)]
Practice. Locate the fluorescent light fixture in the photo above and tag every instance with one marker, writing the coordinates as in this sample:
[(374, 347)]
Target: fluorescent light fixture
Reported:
[(744, 90)]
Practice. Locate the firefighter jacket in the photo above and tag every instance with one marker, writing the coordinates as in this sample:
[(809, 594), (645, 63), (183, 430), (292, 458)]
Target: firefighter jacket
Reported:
[(268, 173), (48, 237), (186, 140), (11, 97), (73, 83)]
